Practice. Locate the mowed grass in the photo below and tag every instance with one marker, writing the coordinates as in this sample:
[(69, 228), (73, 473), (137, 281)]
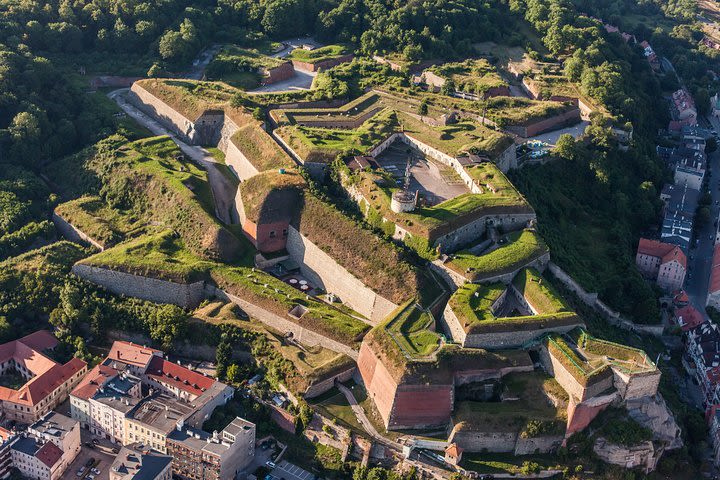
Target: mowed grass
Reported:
[(319, 54), (533, 391), (411, 329), (521, 248)]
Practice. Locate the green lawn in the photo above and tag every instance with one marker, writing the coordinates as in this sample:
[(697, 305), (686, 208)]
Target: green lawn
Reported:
[(521, 248), (319, 54), (411, 330)]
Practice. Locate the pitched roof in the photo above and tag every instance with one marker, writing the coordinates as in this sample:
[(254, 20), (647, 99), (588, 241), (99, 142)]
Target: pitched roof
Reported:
[(714, 285), (178, 376), (453, 450), (665, 251), (48, 375), (131, 353), (689, 317), (49, 454), (91, 382)]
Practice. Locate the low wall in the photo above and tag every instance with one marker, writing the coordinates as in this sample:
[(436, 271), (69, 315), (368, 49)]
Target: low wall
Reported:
[(151, 289), (472, 231), (322, 386), (74, 234), (301, 334), (280, 73), (544, 444), (491, 442), (571, 117), (324, 65), (592, 300), (323, 271), (513, 338)]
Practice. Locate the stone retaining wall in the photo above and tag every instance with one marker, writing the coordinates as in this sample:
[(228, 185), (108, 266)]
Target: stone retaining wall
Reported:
[(159, 110), (318, 388), (322, 65), (323, 271), (151, 289), (503, 442), (74, 234), (571, 117), (300, 334)]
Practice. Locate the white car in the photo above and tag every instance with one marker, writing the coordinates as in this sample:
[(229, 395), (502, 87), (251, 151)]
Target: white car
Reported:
[(269, 464)]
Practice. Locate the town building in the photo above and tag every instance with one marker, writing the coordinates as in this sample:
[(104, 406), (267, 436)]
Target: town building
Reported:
[(137, 396), (47, 383), (690, 170), (153, 418), (63, 431), (664, 263), (37, 460), (6, 439), (688, 317), (137, 463), (682, 110), (703, 352), (453, 454), (198, 455), (713, 297)]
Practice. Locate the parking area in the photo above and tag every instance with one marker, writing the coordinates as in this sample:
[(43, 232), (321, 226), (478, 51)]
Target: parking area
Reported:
[(288, 471), (435, 181), (102, 462)]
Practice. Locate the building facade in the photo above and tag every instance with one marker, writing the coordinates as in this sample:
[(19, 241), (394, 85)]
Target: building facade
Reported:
[(664, 263)]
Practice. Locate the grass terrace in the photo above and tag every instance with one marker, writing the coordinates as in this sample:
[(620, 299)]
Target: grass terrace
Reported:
[(240, 67), (462, 137), (539, 293), (271, 193), (96, 219), (585, 371), (412, 329), (473, 305), (534, 391), (508, 111), (472, 75), (189, 97), (521, 249), (328, 52), (376, 262), (628, 359), (259, 148), (164, 256), (322, 145), (367, 104)]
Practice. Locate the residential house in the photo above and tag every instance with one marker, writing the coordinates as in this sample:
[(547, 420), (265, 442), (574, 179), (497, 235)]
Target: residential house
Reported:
[(688, 317), (713, 297), (703, 351), (664, 263)]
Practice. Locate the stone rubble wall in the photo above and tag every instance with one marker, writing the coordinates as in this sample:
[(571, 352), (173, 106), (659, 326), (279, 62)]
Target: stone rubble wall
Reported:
[(300, 334), (491, 442), (632, 386), (644, 455), (323, 271), (544, 444), (74, 234), (151, 289), (318, 388)]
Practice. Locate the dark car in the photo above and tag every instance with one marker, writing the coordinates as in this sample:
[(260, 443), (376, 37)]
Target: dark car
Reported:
[(90, 462), (89, 445)]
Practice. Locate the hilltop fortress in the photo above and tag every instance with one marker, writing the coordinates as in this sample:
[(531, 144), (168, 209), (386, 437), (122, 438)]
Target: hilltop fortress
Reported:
[(430, 355)]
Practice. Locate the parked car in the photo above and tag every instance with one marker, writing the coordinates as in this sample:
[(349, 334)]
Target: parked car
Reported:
[(89, 445), (95, 471), (90, 462), (80, 472), (269, 464)]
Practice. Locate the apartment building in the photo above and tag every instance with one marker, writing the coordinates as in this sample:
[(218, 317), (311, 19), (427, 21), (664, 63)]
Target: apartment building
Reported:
[(661, 262), (198, 455), (63, 431), (47, 383), (138, 463)]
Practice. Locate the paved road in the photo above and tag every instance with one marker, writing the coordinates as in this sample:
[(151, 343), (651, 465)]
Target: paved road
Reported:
[(364, 421), (701, 256), (223, 188)]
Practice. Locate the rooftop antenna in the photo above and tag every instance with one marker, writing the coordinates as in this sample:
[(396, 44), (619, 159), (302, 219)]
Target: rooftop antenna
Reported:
[(406, 183)]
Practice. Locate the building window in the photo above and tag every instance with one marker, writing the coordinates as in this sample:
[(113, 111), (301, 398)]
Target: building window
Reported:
[(272, 233)]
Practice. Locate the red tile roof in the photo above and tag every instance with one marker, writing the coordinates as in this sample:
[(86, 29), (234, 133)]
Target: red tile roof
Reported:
[(170, 373), (49, 375), (41, 340), (689, 317), (90, 384), (453, 450), (49, 454), (131, 353), (665, 251)]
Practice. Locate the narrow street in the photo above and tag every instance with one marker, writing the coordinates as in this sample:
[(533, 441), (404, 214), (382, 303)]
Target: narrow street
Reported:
[(700, 259), (223, 189)]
